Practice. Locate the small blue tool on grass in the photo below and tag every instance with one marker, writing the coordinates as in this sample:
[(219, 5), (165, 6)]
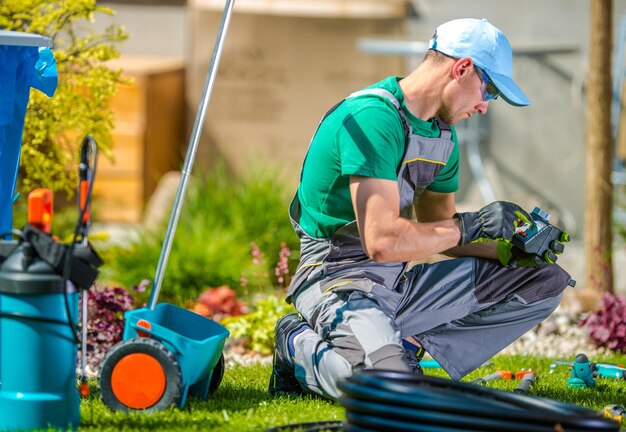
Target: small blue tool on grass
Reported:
[(582, 369)]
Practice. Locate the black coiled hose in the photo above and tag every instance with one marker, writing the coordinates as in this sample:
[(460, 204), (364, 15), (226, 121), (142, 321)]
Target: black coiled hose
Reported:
[(383, 401)]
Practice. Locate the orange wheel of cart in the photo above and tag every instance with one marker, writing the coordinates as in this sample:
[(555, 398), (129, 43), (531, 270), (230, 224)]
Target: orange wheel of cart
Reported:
[(140, 375)]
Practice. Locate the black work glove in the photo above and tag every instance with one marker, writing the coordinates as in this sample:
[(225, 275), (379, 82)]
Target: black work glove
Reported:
[(495, 221)]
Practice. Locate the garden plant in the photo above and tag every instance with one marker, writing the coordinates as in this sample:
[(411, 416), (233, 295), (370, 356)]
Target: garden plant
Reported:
[(231, 232), (54, 127)]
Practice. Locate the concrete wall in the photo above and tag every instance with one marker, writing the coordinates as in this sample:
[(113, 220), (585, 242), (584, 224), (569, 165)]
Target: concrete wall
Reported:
[(153, 30), (278, 75)]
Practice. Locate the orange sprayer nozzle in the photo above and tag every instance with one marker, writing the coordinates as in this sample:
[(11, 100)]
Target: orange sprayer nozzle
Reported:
[(40, 203)]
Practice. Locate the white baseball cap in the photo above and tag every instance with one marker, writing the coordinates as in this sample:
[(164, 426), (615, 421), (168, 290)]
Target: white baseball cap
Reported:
[(487, 46)]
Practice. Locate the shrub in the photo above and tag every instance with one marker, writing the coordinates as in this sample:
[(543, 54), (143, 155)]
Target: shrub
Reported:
[(606, 327), (229, 233), (54, 127), (219, 303), (255, 331)]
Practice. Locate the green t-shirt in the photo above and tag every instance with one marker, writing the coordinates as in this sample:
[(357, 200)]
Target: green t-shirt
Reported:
[(363, 136)]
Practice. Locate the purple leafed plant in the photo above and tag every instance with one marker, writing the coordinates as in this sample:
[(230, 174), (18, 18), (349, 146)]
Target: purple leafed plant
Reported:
[(105, 321), (606, 327)]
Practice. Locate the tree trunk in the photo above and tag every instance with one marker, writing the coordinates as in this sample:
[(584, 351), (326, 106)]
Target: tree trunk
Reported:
[(599, 189)]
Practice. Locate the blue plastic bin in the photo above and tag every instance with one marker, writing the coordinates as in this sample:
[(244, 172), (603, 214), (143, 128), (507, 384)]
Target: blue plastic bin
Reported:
[(196, 341), (25, 61)]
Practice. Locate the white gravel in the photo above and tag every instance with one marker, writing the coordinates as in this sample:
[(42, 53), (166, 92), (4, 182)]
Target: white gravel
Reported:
[(236, 359), (559, 336)]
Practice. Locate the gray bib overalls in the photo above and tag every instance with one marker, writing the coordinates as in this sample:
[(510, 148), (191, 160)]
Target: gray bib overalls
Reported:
[(463, 311)]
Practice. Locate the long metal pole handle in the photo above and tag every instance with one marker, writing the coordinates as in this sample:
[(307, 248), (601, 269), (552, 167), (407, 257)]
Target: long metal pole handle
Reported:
[(191, 154)]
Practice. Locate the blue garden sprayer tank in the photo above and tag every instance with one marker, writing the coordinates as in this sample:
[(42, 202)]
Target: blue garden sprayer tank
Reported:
[(39, 279), (38, 348)]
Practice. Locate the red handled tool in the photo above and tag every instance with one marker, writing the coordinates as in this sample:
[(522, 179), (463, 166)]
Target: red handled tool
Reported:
[(527, 379), (501, 374)]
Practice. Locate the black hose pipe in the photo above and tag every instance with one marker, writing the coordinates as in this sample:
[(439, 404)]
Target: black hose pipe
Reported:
[(378, 400)]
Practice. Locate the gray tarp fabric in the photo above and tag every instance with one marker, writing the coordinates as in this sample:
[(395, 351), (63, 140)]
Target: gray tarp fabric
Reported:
[(21, 67)]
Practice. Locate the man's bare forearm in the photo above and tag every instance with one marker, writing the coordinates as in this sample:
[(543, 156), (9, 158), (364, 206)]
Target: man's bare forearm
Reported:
[(408, 240)]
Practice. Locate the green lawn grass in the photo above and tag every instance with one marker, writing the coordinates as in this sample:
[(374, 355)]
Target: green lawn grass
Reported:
[(242, 403)]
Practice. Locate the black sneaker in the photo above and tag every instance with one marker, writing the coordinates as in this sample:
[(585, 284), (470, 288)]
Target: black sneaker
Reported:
[(283, 379)]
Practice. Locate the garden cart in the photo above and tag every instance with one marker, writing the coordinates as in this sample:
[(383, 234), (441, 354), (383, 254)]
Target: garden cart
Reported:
[(167, 351)]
